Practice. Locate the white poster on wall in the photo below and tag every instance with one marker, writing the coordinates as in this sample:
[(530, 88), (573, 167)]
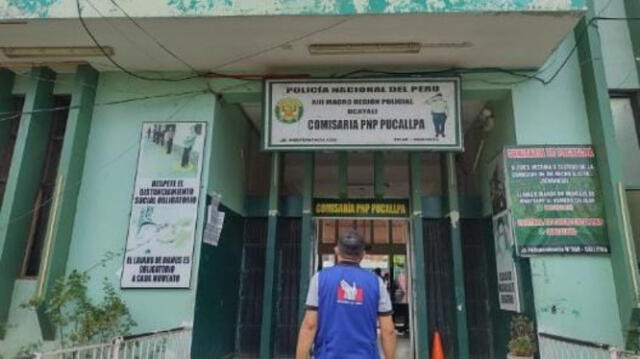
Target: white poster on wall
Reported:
[(408, 114), (164, 211), (508, 281)]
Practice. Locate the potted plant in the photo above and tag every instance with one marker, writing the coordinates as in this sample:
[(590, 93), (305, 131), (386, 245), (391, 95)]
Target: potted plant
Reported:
[(522, 344)]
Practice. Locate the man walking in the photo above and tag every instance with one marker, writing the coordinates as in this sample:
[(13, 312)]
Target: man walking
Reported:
[(344, 305)]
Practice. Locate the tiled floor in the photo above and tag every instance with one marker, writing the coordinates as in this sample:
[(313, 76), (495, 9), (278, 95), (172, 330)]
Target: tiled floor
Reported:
[(403, 349)]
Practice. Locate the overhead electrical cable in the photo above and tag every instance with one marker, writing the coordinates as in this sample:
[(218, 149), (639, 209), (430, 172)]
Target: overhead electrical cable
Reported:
[(99, 169)]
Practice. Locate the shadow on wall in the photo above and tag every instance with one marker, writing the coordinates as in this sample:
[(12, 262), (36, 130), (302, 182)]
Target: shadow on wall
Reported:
[(217, 297)]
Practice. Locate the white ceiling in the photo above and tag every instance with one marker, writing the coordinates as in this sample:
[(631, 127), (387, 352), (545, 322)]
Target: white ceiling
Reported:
[(279, 43)]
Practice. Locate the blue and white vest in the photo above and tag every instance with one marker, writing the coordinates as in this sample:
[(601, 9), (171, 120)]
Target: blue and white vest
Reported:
[(348, 298)]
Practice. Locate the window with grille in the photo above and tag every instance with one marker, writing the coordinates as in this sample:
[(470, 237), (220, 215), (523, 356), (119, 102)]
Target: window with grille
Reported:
[(44, 197)]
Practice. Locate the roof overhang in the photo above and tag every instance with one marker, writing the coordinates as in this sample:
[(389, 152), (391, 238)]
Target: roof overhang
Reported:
[(514, 40)]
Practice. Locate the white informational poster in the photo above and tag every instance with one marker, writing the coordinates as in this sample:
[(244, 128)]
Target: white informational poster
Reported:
[(373, 114), (164, 212), (508, 281)]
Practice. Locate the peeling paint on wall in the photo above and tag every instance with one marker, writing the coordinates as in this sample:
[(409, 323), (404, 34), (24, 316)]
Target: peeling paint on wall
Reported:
[(196, 6), (158, 8), (39, 8)]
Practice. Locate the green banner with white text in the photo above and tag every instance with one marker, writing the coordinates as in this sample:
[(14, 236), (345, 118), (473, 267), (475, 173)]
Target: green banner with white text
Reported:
[(554, 195)]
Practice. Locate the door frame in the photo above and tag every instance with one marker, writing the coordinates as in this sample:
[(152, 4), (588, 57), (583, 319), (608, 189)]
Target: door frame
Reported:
[(395, 248)]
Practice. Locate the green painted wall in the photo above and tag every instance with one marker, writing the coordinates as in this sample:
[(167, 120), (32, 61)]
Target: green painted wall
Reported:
[(575, 297), (580, 287), (229, 148), (104, 201), (22, 328), (217, 301), (554, 114), (105, 193), (503, 134), (618, 55), (218, 283), (632, 9)]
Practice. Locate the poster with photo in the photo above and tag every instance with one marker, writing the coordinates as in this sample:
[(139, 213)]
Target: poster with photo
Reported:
[(164, 209), (508, 281)]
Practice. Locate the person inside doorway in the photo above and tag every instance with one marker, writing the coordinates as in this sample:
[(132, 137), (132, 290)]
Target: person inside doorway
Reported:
[(344, 305), (401, 295)]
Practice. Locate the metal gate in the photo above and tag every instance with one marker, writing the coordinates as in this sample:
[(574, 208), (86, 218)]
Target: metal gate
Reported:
[(288, 282), (251, 288), (476, 236), (439, 276), (252, 282), (440, 292)]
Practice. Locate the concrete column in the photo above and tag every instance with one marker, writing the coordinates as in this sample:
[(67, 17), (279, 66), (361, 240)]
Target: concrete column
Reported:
[(624, 262), (306, 245), (268, 299), (24, 180), (69, 175), (419, 287), (458, 262)]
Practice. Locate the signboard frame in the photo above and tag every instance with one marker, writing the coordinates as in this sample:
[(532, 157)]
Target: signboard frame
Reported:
[(267, 108)]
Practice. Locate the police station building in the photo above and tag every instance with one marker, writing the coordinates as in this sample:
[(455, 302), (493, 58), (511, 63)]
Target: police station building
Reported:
[(202, 157)]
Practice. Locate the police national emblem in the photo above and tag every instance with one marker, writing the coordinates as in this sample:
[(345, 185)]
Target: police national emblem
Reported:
[(289, 110)]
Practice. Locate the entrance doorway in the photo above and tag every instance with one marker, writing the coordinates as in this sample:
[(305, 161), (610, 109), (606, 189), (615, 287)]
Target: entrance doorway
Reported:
[(387, 255)]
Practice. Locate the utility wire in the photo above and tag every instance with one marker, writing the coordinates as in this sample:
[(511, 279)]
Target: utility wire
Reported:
[(99, 169), (454, 71), (271, 48), (526, 77), (108, 103), (125, 33), (153, 38), (117, 64)]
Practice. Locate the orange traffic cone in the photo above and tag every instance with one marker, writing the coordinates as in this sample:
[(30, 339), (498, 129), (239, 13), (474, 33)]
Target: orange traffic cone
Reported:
[(436, 346)]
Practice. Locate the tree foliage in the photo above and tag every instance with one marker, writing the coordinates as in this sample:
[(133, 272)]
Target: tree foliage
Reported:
[(80, 319)]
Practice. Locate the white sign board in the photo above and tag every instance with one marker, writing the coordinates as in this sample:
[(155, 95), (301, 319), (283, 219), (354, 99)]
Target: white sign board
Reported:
[(164, 212), (508, 281), (365, 114)]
